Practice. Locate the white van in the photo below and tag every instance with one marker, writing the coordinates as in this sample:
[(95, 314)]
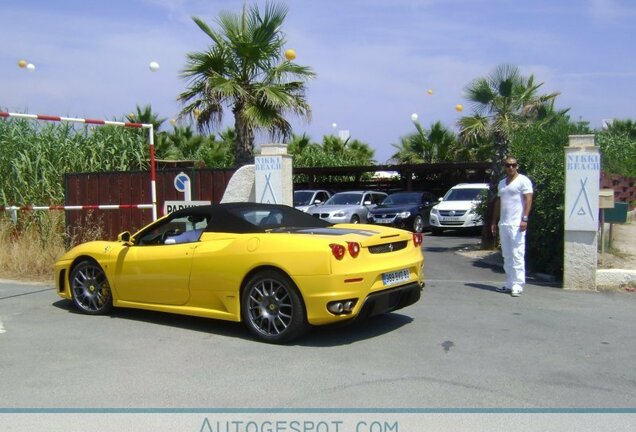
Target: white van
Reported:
[(456, 209)]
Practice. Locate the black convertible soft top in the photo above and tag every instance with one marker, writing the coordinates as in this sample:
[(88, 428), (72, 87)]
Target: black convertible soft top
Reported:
[(248, 217)]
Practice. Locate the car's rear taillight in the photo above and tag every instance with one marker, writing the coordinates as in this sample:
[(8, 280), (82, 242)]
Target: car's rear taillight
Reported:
[(417, 239), (354, 248), (337, 250)]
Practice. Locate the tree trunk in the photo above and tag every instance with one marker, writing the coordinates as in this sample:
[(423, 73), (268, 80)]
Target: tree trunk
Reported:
[(244, 144), (488, 241)]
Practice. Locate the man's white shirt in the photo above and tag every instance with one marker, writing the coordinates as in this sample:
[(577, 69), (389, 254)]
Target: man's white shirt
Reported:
[(512, 200)]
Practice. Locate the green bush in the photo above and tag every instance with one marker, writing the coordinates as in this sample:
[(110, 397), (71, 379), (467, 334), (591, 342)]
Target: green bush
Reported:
[(618, 153), (540, 152)]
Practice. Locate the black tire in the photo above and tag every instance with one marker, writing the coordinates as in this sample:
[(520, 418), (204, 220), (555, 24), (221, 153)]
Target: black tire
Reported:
[(355, 219), (418, 224), (437, 231), (272, 308), (90, 289)]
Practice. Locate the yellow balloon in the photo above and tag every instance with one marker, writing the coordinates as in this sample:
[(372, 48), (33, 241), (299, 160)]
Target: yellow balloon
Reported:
[(173, 122), (290, 54), (22, 63), (430, 91), (196, 112), (459, 107)]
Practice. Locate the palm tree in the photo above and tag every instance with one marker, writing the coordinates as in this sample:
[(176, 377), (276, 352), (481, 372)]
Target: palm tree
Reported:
[(356, 151), (145, 115), (299, 143), (426, 146), (442, 142), (501, 102), (244, 70), (360, 152)]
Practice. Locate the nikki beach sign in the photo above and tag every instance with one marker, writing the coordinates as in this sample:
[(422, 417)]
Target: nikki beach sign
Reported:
[(582, 173)]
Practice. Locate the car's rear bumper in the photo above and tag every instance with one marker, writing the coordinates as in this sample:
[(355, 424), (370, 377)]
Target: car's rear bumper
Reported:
[(390, 300), (362, 287)]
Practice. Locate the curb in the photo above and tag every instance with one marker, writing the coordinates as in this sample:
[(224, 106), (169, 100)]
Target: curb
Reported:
[(606, 279), (615, 278)]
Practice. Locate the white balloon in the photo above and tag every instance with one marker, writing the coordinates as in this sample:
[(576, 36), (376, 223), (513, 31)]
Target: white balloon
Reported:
[(414, 116), (334, 125), (30, 66), (154, 66)]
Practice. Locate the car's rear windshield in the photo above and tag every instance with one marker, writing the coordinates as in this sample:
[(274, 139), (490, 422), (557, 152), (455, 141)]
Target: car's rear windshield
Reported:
[(345, 198), (463, 194)]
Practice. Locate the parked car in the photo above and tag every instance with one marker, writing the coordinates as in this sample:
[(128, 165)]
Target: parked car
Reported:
[(456, 209), (348, 207), (274, 268), (406, 210), (309, 198)]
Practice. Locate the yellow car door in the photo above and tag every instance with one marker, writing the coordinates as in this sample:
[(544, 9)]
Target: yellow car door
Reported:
[(157, 274)]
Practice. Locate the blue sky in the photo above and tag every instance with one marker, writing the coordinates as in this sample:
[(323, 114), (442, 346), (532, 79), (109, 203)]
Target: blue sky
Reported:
[(374, 59)]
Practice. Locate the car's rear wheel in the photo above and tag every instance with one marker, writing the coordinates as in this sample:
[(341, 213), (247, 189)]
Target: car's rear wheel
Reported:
[(418, 224), (90, 288), (272, 308), (355, 219)]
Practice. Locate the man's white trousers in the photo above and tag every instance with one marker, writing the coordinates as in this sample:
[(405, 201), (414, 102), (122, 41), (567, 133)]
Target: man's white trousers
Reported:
[(513, 248)]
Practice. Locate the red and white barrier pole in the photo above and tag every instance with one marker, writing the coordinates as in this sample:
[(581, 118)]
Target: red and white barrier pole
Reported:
[(153, 185), (78, 207), (153, 178)]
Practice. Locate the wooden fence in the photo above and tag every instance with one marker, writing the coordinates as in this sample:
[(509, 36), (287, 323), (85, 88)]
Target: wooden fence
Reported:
[(132, 188)]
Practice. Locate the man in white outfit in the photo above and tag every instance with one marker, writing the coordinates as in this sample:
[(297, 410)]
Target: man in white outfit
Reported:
[(512, 207)]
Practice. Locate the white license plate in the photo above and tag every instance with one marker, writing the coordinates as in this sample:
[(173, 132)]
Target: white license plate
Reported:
[(450, 219), (395, 277), (386, 221)]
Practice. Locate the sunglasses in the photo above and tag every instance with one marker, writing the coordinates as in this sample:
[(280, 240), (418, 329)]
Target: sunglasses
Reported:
[(513, 165)]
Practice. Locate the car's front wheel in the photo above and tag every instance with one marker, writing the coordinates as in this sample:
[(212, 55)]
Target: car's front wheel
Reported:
[(272, 308), (90, 288), (355, 219)]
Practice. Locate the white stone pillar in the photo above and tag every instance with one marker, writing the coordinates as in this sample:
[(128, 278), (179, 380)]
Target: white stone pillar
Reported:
[(273, 175), (582, 178)]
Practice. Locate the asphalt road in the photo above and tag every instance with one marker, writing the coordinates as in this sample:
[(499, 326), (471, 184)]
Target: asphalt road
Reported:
[(463, 345)]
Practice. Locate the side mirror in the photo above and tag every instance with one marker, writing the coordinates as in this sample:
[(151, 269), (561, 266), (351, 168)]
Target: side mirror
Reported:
[(366, 203), (125, 238), (317, 202), (440, 199)]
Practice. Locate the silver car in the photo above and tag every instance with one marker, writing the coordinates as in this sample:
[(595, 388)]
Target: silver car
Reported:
[(348, 207), (310, 198)]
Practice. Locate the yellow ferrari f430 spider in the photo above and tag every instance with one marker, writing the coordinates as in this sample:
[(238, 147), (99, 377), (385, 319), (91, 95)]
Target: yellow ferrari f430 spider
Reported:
[(274, 268)]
